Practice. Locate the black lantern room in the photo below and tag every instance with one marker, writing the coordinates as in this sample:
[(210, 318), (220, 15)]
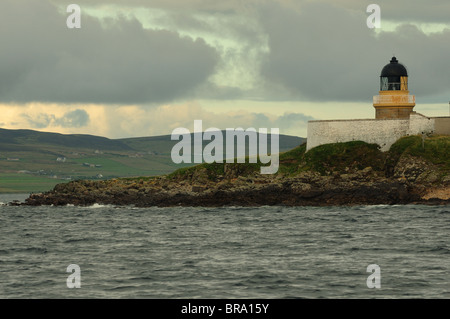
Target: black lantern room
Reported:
[(394, 77)]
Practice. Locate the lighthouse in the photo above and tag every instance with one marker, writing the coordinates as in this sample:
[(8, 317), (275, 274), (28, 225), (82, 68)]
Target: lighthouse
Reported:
[(393, 100), (394, 117)]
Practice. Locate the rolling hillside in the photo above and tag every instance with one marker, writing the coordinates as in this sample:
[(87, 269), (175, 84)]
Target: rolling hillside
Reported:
[(32, 161)]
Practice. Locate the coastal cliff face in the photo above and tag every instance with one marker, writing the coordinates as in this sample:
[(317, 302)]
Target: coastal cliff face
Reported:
[(353, 173)]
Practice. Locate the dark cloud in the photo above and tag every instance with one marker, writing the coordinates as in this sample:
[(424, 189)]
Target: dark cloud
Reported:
[(42, 60), (318, 50), (76, 118), (41, 120), (327, 53), (321, 52), (431, 11)]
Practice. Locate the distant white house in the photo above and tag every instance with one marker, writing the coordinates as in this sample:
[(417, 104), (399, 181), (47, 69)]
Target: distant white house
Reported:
[(61, 159)]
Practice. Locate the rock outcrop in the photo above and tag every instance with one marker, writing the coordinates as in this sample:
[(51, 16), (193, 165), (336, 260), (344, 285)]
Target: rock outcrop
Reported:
[(309, 188), (338, 180)]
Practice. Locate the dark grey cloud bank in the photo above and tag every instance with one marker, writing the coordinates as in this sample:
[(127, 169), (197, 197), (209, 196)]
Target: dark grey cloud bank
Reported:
[(327, 53), (42, 60), (318, 51), (324, 51), (430, 11)]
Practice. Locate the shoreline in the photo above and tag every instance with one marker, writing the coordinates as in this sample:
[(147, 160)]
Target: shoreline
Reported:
[(305, 190), (341, 174), (432, 202)]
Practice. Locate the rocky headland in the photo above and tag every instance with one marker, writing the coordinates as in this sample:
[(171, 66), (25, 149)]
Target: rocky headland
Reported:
[(413, 171)]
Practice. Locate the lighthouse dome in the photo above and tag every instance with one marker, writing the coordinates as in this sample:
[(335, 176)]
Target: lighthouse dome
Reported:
[(394, 69)]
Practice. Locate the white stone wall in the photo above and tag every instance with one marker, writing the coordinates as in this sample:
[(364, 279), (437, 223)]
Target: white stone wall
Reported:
[(382, 132), (442, 125)]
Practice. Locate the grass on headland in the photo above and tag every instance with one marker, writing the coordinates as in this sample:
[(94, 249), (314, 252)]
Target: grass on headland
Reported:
[(338, 157), (435, 149), (214, 170), (325, 159)]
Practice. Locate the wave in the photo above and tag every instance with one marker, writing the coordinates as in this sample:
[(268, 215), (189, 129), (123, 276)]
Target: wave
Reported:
[(38, 250), (75, 240), (99, 206)]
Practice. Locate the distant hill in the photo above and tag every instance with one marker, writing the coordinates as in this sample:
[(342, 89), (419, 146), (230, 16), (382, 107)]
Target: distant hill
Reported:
[(36, 161), (164, 144), (415, 170), (33, 139)]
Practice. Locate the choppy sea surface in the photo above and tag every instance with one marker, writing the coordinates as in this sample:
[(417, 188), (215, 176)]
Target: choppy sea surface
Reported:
[(229, 252)]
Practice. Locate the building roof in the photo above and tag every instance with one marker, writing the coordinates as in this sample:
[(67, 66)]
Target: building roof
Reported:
[(394, 69)]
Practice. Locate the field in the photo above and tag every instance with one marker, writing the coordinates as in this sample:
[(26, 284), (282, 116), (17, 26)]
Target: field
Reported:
[(37, 171), (33, 161), (22, 183)]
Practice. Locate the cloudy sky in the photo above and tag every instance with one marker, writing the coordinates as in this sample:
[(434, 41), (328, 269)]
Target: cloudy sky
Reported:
[(145, 67)]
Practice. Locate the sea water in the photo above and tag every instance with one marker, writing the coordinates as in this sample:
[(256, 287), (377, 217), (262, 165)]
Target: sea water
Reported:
[(228, 252)]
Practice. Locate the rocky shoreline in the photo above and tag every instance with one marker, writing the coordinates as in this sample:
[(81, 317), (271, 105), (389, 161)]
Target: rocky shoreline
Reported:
[(353, 173), (363, 187)]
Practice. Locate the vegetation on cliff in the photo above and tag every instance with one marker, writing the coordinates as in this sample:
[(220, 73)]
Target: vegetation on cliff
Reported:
[(414, 170), (435, 149), (340, 158)]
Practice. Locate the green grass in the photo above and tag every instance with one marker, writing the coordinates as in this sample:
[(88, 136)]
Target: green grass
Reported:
[(339, 157), (214, 170), (126, 166), (435, 149), (25, 183), (291, 161), (325, 159), (38, 151)]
